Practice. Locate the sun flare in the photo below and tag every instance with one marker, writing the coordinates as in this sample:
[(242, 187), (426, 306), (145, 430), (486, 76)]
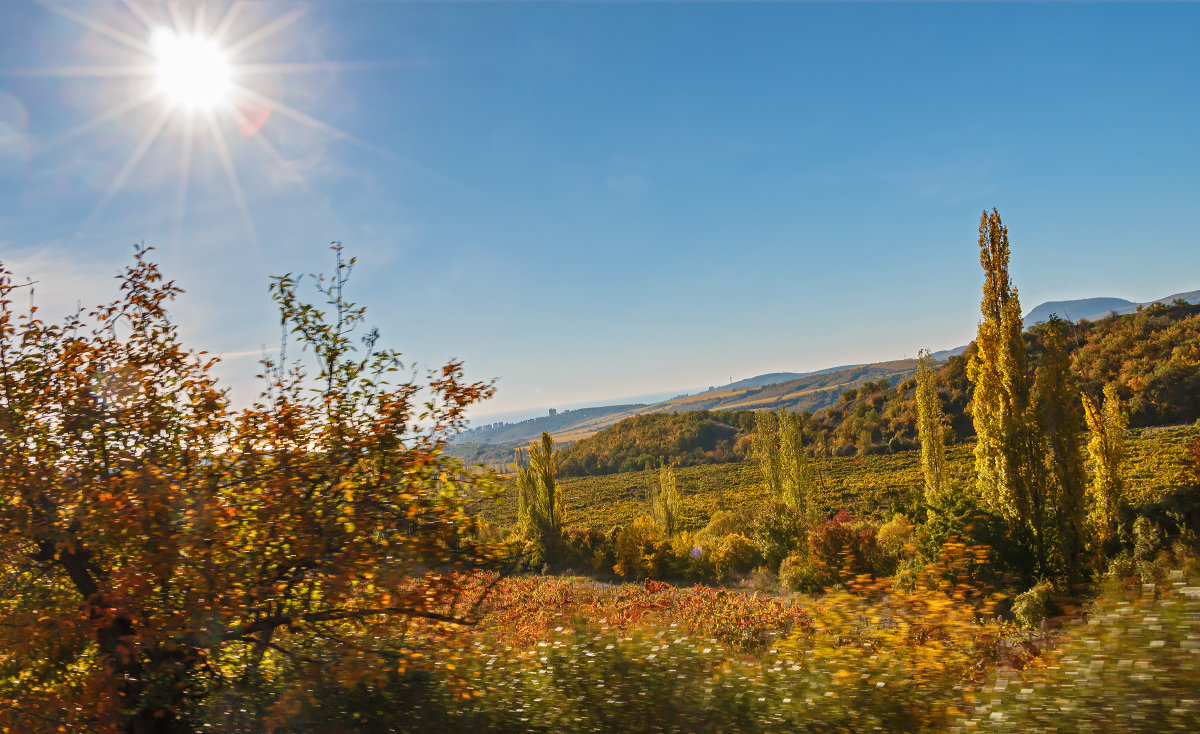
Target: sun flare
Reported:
[(213, 83), (191, 71)]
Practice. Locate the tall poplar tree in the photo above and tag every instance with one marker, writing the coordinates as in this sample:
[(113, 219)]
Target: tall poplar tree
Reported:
[(664, 500), (766, 448), (539, 503), (931, 423), (1106, 453), (1009, 461), (1056, 393), (795, 475), (779, 447)]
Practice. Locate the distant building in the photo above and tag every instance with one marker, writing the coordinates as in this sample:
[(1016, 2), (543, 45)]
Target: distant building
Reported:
[(553, 412)]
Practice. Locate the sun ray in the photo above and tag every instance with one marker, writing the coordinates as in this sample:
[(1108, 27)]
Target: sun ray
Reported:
[(135, 157), (313, 122), (340, 134), (226, 21), (104, 30), (231, 173), (260, 138), (266, 31), (137, 11), (185, 170), (178, 22), (80, 71), (198, 19), (292, 67), (112, 113)]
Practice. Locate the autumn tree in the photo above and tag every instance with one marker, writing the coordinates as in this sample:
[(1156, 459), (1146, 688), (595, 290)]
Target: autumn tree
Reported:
[(766, 449), (1060, 412), (931, 429), (782, 460), (664, 500), (539, 502), (1108, 423), (1009, 460), (159, 548)]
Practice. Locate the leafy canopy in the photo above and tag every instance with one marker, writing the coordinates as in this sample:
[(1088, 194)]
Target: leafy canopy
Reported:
[(158, 548)]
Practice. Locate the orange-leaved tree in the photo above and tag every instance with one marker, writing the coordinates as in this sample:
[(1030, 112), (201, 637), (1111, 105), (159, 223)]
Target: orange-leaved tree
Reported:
[(158, 547)]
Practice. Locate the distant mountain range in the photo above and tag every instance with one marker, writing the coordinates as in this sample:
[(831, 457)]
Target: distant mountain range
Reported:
[(1094, 309), (792, 390)]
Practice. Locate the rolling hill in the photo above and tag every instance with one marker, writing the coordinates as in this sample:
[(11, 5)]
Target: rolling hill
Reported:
[(495, 444)]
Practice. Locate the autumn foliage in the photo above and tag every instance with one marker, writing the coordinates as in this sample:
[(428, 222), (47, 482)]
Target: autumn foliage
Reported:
[(158, 549)]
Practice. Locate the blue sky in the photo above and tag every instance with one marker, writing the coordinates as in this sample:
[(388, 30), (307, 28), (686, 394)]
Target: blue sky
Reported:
[(592, 201)]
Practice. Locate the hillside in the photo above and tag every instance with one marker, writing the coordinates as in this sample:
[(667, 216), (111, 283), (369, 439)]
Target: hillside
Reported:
[(1150, 351), (494, 444), (772, 378), (1153, 355)]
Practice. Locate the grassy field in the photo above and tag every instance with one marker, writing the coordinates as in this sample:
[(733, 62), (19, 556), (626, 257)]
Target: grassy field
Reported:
[(873, 485)]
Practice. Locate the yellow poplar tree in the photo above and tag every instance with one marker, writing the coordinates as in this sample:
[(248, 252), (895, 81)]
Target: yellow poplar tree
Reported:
[(766, 448), (779, 446), (1009, 457), (664, 500), (1106, 454), (931, 423), (795, 473), (539, 503), (1056, 392)]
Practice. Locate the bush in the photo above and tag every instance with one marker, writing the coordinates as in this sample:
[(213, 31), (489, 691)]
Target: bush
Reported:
[(724, 522), (842, 547), (895, 540), (735, 553), (1033, 606), (580, 546), (797, 573), (634, 546), (776, 532)]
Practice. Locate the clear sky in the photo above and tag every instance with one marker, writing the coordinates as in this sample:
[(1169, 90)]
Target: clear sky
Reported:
[(592, 201)]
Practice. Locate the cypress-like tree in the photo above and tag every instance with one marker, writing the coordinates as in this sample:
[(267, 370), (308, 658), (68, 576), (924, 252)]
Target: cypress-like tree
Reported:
[(795, 475), (664, 500), (539, 503), (1106, 453), (1009, 457), (766, 448), (779, 447), (931, 425), (1056, 393)]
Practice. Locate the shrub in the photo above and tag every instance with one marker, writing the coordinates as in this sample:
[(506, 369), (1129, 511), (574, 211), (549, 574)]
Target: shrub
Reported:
[(1034, 605), (777, 531), (724, 522), (797, 573), (842, 547), (895, 540), (634, 544), (580, 546), (735, 553)]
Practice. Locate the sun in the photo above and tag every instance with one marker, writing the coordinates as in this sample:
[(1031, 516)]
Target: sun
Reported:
[(191, 71), (213, 81)]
